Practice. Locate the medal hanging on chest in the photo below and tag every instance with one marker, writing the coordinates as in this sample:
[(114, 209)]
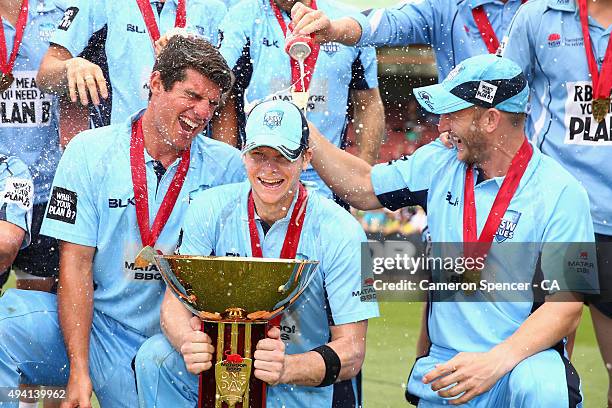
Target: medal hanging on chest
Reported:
[(149, 235), (6, 65), (602, 80), (303, 54), (475, 246)]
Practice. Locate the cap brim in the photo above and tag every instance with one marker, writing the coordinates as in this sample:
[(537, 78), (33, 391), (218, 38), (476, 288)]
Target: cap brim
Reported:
[(436, 99), (291, 151)]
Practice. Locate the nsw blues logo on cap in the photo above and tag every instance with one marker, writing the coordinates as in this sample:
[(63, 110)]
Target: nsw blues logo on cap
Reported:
[(273, 119)]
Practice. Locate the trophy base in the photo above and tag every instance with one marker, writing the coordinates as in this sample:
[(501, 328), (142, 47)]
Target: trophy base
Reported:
[(230, 383)]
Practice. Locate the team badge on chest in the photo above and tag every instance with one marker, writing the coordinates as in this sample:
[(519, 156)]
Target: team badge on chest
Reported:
[(507, 226)]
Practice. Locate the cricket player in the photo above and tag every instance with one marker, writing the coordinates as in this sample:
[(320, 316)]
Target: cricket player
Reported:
[(543, 37), (485, 353), (29, 126), (323, 342), (16, 198), (117, 189), (456, 29), (343, 75), (129, 48)]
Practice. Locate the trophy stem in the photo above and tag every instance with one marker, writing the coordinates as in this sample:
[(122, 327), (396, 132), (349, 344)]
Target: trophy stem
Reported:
[(231, 383)]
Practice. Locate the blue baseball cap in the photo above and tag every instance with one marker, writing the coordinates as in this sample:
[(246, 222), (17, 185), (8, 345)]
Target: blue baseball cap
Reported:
[(486, 80), (278, 124)]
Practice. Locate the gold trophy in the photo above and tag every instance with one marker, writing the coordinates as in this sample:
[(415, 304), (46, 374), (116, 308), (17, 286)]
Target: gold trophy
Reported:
[(235, 298)]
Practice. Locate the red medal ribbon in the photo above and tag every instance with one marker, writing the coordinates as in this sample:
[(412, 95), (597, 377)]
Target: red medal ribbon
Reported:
[(602, 84), (292, 239), (309, 62), (149, 17), (141, 196), (289, 249), (500, 205), (486, 29), (7, 66)]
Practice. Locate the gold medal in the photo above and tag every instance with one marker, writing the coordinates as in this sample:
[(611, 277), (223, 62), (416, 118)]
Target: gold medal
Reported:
[(600, 106), (145, 257), (471, 276), (6, 80), (300, 99)]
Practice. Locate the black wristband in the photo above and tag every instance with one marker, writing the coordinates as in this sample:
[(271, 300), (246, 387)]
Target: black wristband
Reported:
[(332, 364)]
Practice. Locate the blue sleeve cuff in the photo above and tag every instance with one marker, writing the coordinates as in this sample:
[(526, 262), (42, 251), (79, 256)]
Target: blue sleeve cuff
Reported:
[(366, 31)]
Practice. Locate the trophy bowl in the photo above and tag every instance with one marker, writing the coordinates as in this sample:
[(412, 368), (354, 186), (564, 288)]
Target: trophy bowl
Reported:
[(213, 287)]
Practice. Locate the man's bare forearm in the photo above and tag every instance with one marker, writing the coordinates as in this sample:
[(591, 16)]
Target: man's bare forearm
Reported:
[(51, 75), (174, 319), (225, 123), (543, 329), (347, 175), (369, 123), (75, 303), (308, 368)]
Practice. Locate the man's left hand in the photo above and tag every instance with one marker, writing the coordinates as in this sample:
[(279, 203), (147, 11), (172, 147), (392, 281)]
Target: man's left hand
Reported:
[(270, 358), (471, 373)]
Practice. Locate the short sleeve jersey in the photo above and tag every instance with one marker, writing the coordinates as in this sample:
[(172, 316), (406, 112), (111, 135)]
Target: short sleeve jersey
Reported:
[(543, 37), (544, 209), (92, 203), (217, 223), (29, 117), (448, 26), (129, 50), (16, 195)]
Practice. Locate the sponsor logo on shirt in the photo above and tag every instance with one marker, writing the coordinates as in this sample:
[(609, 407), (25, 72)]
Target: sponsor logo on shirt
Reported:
[(449, 199), (133, 28), (18, 191), (270, 43), (312, 100), (574, 42), (330, 48), (554, 40), (148, 273), (120, 203), (367, 292), (581, 263), (507, 226), (62, 205), (580, 126), (69, 15), (45, 30)]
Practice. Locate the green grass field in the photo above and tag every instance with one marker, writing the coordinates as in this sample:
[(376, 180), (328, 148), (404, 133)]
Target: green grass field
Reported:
[(391, 351)]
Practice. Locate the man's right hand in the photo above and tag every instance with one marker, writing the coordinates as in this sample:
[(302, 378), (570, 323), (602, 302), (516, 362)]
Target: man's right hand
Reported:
[(78, 391), (307, 21), (197, 348), (85, 77)]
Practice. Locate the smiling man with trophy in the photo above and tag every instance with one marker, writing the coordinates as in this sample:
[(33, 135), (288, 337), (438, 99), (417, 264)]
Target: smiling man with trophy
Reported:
[(317, 351)]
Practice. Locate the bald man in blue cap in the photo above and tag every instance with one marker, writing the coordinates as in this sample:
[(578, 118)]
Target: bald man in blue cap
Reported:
[(481, 352)]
